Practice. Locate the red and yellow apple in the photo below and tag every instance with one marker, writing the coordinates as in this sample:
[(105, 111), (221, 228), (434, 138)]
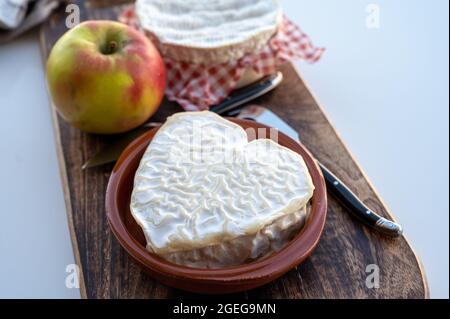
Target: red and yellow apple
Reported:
[(105, 77)]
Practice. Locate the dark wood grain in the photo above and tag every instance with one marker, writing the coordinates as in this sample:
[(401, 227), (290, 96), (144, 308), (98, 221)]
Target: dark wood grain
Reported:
[(337, 267)]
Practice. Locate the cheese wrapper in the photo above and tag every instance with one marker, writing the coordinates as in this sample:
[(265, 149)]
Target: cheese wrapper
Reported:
[(198, 86)]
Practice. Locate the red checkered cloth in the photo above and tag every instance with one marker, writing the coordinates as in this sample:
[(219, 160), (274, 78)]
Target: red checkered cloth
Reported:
[(196, 87)]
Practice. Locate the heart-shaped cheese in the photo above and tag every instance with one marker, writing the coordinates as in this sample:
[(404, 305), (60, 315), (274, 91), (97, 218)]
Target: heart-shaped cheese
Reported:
[(201, 183)]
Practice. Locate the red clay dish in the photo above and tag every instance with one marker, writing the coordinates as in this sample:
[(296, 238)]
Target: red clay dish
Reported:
[(226, 280)]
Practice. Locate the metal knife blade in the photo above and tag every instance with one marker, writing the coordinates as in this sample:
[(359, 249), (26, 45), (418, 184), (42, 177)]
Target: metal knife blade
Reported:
[(265, 116), (239, 97), (111, 152), (334, 184)]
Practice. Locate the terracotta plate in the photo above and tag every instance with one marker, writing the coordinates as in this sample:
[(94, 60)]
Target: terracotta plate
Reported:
[(226, 280)]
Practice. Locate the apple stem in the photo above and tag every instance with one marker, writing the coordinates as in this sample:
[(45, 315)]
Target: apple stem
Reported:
[(112, 47)]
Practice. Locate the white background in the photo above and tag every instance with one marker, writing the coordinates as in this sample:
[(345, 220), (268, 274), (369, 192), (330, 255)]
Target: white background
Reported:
[(384, 89)]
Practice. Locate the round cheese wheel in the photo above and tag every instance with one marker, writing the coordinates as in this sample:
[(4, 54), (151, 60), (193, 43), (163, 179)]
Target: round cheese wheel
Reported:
[(209, 31)]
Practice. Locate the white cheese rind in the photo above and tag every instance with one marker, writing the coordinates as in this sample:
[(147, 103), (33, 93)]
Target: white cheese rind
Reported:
[(209, 31), (247, 248), (186, 196)]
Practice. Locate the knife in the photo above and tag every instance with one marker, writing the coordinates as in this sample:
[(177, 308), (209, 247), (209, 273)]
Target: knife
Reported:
[(111, 152), (230, 107), (248, 93), (238, 97), (334, 184)]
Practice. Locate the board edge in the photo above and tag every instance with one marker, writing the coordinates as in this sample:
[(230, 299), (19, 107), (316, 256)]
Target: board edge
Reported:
[(426, 292), (64, 179)]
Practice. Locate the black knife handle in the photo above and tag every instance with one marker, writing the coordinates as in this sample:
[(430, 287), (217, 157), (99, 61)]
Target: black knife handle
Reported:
[(355, 206), (248, 93)]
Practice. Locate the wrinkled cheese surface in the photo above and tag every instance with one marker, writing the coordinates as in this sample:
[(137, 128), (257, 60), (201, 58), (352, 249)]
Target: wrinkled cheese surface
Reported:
[(201, 183)]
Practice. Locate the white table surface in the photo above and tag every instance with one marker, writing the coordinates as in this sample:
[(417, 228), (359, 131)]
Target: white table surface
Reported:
[(384, 89)]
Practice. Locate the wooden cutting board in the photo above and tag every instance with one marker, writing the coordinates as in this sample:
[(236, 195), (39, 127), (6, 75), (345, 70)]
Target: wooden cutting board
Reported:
[(336, 269)]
